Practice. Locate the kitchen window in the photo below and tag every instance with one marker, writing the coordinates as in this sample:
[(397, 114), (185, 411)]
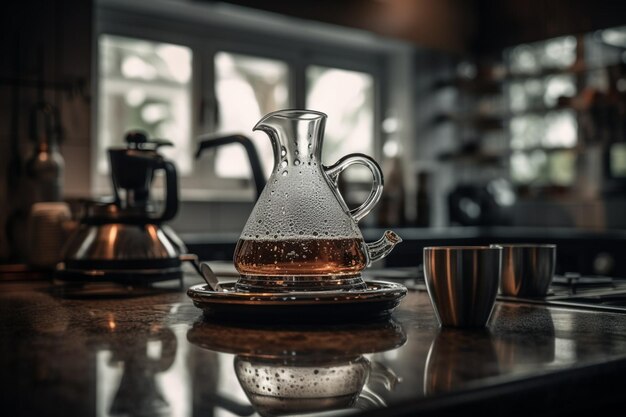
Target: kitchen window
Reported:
[(182, 80), (145, 85), (561, 101), (543, 131)]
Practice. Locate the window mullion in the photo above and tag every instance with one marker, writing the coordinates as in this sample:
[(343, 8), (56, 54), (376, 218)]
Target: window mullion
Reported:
[(208, 105), (298, 79)]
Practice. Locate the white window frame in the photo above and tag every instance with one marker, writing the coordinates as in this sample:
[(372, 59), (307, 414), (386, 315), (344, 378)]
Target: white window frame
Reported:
[(199, 27)]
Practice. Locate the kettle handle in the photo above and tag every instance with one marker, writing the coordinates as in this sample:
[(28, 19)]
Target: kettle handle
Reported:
[(334, 170), (171, 190)]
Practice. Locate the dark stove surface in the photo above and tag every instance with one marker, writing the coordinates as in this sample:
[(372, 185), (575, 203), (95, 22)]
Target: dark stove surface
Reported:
[(573, 290)]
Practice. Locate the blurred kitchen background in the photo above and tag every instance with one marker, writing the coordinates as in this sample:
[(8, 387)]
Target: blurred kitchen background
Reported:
[(492, 120)]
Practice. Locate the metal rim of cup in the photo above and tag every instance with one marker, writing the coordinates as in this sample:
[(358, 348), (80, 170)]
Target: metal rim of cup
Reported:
[(524, 245), (460, 248)]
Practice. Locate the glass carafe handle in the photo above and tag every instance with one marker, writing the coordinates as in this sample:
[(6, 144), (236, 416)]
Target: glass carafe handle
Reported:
[(334, 170)]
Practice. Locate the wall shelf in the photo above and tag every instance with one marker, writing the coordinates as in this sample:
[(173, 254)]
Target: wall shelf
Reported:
[(477, 121)]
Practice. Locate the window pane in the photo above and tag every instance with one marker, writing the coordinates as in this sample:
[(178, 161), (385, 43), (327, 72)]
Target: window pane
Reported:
[(529, 167), (562, 167), (557, 86), (526, 131), (557, 52), (145, 85), (539, 130), (347, 97), (617, 162), (247, 88), (561, 129), (537, 94), (552, 53), (523, 59)]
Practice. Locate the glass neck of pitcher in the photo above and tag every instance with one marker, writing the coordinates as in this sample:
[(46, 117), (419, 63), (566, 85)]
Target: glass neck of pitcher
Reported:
[(296, 136)]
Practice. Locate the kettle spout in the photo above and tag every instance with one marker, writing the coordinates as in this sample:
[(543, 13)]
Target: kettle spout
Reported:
[(383, 246)]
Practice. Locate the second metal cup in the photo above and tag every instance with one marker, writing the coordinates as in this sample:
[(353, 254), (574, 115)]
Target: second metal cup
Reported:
[(462, 283), (527, 269)]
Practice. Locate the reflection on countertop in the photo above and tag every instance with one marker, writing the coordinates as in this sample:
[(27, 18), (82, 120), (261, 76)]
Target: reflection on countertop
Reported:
[(155, 354), (286, 369)]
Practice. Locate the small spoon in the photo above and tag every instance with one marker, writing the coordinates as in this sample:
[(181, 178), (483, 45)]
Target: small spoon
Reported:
[(204, 270), (210, 277)]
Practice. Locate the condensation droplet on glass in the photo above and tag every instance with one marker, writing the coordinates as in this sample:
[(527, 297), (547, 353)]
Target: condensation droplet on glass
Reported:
[(283, 164), (296, 162), (283, 151), (285, 173)]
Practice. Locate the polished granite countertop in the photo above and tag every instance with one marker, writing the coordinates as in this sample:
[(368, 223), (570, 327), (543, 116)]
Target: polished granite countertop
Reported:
[(151, 352)]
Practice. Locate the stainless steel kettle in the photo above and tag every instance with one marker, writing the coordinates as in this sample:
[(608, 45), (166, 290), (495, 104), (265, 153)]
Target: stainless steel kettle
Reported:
[(126, 238)]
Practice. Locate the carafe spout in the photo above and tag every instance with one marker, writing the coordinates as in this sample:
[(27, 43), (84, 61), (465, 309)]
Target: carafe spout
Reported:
[(383, 246)]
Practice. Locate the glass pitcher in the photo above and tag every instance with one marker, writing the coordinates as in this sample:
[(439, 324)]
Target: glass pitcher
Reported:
[(301, 236)]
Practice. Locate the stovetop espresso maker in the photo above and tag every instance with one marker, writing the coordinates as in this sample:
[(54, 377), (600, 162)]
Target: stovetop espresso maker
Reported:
[(126, 239)]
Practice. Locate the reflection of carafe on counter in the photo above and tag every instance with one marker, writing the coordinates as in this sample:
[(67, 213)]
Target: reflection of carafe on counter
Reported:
[(286, 370)]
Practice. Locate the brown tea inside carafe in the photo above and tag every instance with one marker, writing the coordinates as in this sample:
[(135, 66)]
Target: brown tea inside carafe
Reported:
[(302, 257)]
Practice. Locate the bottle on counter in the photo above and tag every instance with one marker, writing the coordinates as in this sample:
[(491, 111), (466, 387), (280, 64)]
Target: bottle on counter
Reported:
[(45, 166), (46, 212), (392, 210), (423, 200)]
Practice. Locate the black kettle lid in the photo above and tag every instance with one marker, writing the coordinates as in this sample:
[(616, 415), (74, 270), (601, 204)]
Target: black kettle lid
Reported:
[(138, 140), (132, 173)]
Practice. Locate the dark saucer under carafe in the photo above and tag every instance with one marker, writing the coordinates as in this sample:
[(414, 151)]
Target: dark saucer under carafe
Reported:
[(300, 265)]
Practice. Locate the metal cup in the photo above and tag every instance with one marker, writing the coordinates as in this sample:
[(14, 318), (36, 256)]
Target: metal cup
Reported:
[(462, 283), (527, 269)]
